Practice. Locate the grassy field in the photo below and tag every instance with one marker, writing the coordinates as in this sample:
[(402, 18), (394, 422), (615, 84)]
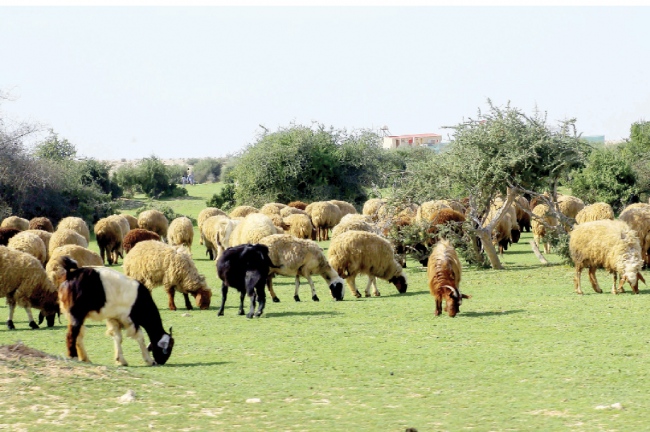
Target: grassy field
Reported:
[(525, 353)]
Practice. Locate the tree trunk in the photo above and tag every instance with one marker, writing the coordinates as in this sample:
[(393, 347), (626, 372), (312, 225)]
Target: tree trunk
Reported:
[(537, 253), (488, 247)]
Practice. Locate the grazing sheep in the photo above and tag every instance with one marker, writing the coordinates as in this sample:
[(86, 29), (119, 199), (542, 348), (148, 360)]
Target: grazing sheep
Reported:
[(297, 204), (210, 230), (278, 222), (65, 236), (6, 234), (637, 216), (297, 257), (390, 214), (45, 236), (288, 211), (133, 221), (123, 222), (15, 222), (607, 244), (594, 212), (444, 274), (506, 230), (181, 232), (245, 268), (251, 230), (569, 205), (76, 224), (242, 211), (345, 207), (101, 294), (299, 225), (359, 252), (324, 215), (429, 208), (29, 243), (41, 223), (23, 282), (542, 213), (84, 258), (272, 209), (137, 235), (154, 220), (371, 207), (204, 215), (521, 204), (109, 239), (354, 222), (154, 263)]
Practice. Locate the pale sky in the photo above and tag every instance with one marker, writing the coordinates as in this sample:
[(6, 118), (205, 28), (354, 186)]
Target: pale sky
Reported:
[(178, 82)]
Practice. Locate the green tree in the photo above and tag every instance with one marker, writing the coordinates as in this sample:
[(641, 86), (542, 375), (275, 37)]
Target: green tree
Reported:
[(55, 149), (207, 170)]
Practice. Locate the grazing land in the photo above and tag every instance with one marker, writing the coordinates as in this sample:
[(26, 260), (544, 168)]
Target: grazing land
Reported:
[(525, 353)]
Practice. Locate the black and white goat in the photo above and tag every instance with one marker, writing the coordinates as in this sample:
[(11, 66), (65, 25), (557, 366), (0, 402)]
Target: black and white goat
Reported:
[(100, 293), (245, 268)]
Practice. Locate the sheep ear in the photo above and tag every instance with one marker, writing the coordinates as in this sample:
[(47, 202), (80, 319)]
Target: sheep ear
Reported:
[(640, 276), (164, 342)]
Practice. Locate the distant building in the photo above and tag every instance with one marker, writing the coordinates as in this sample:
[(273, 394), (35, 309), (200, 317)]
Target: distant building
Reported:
[(414, 140)]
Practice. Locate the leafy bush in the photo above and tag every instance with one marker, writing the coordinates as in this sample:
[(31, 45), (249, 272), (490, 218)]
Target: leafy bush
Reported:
[(207, 170), (225, 199), (151, 177)]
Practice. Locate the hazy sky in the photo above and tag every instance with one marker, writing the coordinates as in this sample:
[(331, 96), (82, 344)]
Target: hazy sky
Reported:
[(193, 82)]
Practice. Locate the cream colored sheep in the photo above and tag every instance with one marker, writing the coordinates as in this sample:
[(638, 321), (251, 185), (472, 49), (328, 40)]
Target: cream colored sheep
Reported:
[(84, 257), (24, 283), (607, 244), (297, 257), (251, 230), (429, 208), (542, 215), (41, 223), (278, 222), (65, 236), (299, 225), (76, 224), (29, 243), (125, 227), (371, 207), (242, 211), (272, 209), (594, 212), (455, 205), (360, 252), (154, 220), (45, 236), (389, 213), (637, 216), (204, 215), (133, 221), (345, 207), (354, 222), (521, 204), (507, 230), (288, 211), (324, 215), (109, 239), (569, 205), (181, 232), (15, 222), (153, 263), (209, 232)]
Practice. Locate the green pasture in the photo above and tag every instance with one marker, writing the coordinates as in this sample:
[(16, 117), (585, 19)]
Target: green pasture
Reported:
[(525, 353)]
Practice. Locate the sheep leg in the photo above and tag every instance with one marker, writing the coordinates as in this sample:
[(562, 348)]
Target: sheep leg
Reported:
[(171, 293), (261, 299), (547, 248), (32, 323), (353, 287), (375, 290), (188, 305), (81, 348), (242, 294), (576, 280), (438, 310), (314, 297), (139, 337), (224, 295), (114, 329), (12, 306), (102, 253), (593, 280), (296, 297), (251, 311), (269, 284)]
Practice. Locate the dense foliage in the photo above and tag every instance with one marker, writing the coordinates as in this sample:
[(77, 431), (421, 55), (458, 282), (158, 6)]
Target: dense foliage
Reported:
[(151, 177), (207, 170)]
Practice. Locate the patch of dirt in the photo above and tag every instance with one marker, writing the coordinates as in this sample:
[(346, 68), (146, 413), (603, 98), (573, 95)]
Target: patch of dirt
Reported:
[(129, 204), (19, 350)]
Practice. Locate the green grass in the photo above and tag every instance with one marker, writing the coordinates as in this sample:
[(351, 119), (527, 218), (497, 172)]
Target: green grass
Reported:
[(525, 353)]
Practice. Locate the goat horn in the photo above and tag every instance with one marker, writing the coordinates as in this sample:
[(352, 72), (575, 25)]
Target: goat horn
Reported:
[(453, 289)]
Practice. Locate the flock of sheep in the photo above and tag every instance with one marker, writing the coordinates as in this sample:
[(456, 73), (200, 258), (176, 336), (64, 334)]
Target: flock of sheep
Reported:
[(38, 263)]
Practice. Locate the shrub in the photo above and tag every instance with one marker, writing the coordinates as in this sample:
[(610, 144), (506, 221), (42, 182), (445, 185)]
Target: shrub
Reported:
[(207, 170), (225, 199)]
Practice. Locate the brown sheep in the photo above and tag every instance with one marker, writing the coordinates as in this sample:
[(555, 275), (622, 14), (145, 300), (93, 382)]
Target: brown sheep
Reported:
[(444, 274), (6, 234), (109, 240), (41, 223), (137, 235)]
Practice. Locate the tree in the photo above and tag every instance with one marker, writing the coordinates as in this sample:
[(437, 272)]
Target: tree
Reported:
[(152, 177), (55, 149), (207, 170)]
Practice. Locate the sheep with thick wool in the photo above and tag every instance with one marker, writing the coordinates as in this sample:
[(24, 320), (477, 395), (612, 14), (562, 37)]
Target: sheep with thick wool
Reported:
[(84, 258), (65, 236), (109, 239), (569, 205), (296, 257), (444, 272), (354, 222), (428, 208), (542, 217), (29, 243), (137, 235), (371, 207), (324, 215), (203, 216), (278, 222), (133, 221), (6, 234), (521, 204), (637, 216), (288, 211), (16, 222), (298, 204), (608, 244), (76, 224), (41, 223), (594, 212), (242, 211), (506, 231), (272, 209), (299, 226), (125, 227), (23, 282), (154, 263), (181, 232), (154, 220), (360, 252), (210, 230), (455, 205), (345, 207), (45, 236), (251, 230)]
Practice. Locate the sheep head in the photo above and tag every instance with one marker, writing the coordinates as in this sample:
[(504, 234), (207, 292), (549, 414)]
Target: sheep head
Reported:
[(336, 288), (162, 350), (633, 280), (453, 299), (400, 283), (203, 297)]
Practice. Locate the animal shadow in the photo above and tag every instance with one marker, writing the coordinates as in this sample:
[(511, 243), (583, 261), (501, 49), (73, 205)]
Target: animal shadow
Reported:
[(491, 313), (305, 313)]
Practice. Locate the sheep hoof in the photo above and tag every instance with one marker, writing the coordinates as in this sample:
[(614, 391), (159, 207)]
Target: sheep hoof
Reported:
[(377, 294), (249, 315), (357, 294), (33, 325), (276, 300), (315, 298), (241, 312), (121, 363), (296, 298), (367, 294), (220, 313), (10, 325), (258, 314)]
